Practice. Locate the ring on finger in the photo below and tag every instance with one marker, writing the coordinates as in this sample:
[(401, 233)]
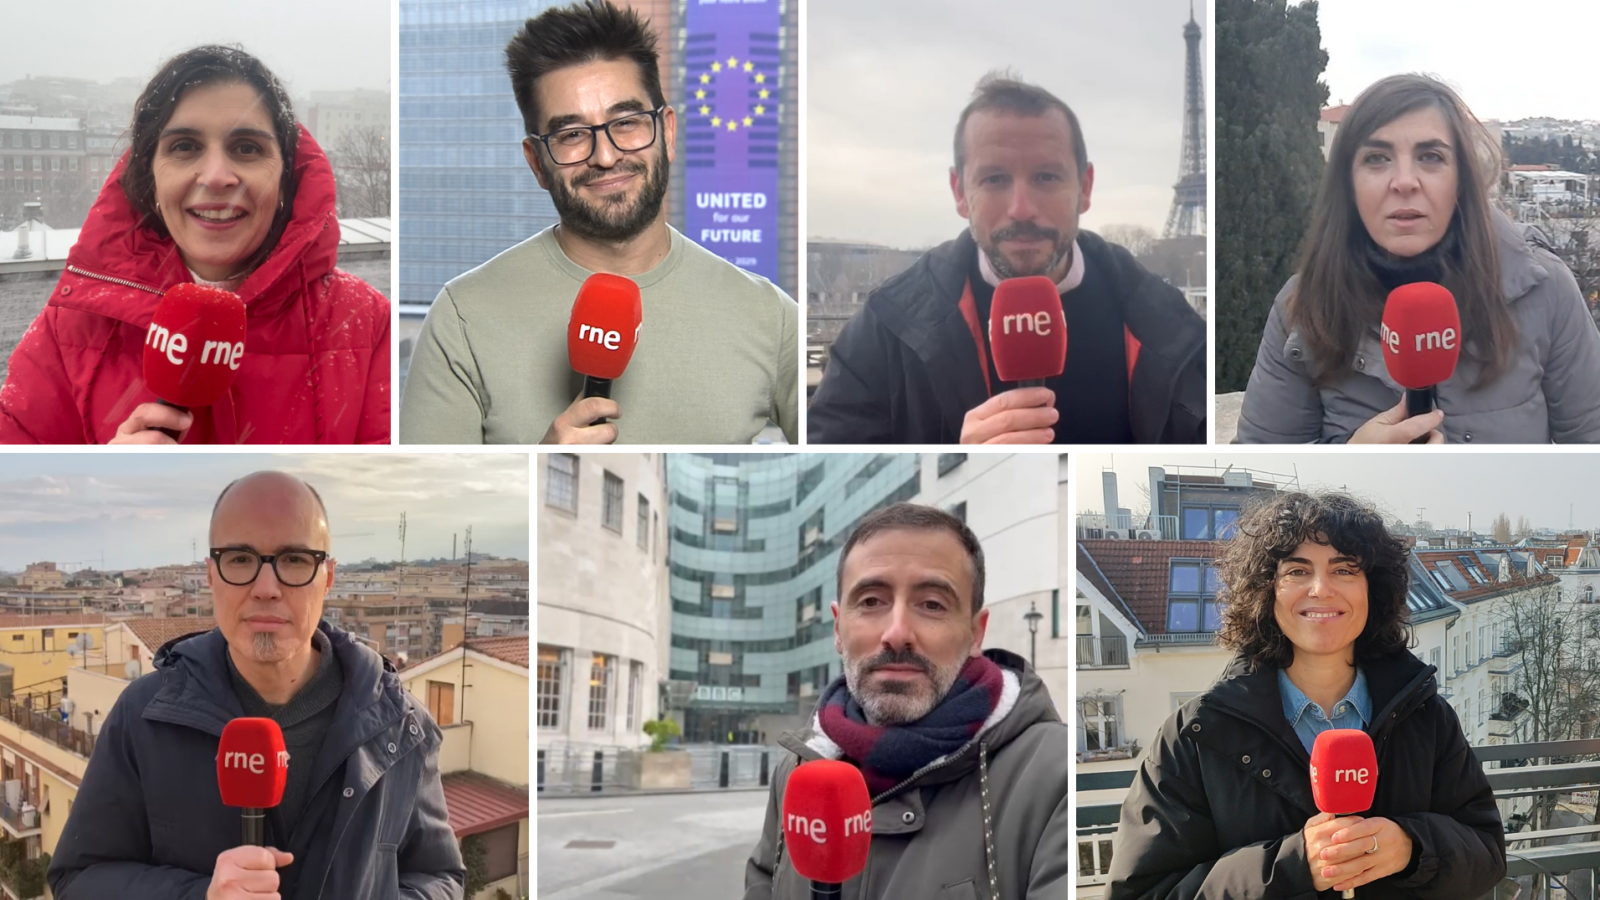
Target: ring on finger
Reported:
[(1374, 846)]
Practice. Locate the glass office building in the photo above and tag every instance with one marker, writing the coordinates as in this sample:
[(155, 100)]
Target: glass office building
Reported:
[(755, 541), (465, 190)]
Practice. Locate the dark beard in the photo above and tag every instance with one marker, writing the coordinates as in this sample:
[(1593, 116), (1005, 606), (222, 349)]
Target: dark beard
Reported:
[(1002, 266), (611, 221)]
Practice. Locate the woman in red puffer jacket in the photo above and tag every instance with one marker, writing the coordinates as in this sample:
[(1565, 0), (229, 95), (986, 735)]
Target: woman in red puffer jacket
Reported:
[(220, 187)]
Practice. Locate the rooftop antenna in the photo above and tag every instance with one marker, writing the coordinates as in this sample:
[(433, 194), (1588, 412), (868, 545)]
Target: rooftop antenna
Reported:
[(402, 538)]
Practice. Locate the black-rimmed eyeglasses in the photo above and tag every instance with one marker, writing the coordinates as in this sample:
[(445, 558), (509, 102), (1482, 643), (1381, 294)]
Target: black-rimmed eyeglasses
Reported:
[(293, 568), (574, 144)]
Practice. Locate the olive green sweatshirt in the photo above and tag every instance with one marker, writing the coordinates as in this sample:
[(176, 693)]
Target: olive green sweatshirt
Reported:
[(717, 355)]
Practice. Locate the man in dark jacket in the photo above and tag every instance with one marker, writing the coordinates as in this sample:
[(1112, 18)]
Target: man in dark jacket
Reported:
[(1221, 802), (915, 365), (363, 814), (962, 751)]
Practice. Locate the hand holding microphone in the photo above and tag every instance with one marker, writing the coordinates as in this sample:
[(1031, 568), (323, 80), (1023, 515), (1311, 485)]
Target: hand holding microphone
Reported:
[(1350, 851), (247, 873), (192, 352), (1028, 337), (252, 769), (602, 333), (1421, 337)]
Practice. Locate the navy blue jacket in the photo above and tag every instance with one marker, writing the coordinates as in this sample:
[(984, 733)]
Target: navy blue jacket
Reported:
[(149, 822)]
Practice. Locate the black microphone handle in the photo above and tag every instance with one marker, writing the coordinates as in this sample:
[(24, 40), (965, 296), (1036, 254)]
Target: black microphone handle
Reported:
[(597, 387), (168, 431), (822, 890), (1421, 401), (1031, 382), (254, 820)]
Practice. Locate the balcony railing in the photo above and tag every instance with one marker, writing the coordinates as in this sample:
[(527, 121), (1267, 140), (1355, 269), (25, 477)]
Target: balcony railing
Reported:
[(19, 822), (48, 725), (1108, 652), (1093, 525)]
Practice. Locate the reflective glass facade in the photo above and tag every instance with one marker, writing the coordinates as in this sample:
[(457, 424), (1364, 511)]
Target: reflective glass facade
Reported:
[(465, 190), (755, 542)]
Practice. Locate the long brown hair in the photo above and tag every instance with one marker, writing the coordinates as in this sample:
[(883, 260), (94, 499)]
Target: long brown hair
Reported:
[(1338, 297)]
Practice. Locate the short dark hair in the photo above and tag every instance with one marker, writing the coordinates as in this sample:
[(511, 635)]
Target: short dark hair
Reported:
[(1269, 531), (1003, 90), (321, 507), (590, 31), (211, 64), (910, 516)]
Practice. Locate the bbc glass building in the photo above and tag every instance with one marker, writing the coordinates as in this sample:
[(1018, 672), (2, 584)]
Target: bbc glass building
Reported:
[(754, 545)]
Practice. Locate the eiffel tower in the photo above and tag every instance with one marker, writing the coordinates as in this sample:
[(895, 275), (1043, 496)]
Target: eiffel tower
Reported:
[(1188, 215)]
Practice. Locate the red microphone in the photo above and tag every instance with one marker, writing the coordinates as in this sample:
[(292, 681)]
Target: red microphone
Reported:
[(603, 331), (1344, 773), (252, 767), (1421, 336), (194, 346), (827, 824), (1028, 330)]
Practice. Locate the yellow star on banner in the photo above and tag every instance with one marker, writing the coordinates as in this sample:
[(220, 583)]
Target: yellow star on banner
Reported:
[(764, 93), (705, 110), (705, 79), (761, 110), (760, 78), (732, 62), (747, 121), (715, 121), (749, 65), (716, 67), (700, 94), (732, 125)]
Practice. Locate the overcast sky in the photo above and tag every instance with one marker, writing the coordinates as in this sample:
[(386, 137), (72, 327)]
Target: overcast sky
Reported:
[(144, 509), (887, 79), (1448, 485), (312, 45), (1507, 61)]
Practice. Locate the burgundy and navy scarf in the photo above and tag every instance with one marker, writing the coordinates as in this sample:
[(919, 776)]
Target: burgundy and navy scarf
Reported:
[(887, 755)]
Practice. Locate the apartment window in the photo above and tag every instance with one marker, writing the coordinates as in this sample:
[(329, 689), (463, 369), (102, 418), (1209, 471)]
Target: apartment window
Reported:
[(20, 183), (33, 140), (644, 524), (72, 164), (550, 680), (72, 142), (1483, 641), (1455, 653), (1433, 658), (611, 503), (16, 139), (442, 702), (1055, 613), (55, 142), (561, 482), (55, 163), (1208, 523), (38, 164), (959, 511), (1192, 596), (1099, 717), (1094, 857), (655, 528), (635, 682), (599, 692), (949, 461)]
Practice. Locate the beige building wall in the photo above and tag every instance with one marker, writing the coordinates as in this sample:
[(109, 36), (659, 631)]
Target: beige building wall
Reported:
[(600, 594), (36, 657)]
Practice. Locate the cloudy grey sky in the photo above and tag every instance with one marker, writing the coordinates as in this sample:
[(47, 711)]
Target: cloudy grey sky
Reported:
[(886, 81), (1449, 485), (144, 509), (1499, 57), (312, 45)]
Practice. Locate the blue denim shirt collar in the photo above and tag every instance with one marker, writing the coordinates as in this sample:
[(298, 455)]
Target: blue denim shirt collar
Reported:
[(1308, 719)]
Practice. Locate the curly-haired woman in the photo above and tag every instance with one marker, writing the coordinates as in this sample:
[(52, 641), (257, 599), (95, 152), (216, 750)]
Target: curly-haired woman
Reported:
[(1315, 609)]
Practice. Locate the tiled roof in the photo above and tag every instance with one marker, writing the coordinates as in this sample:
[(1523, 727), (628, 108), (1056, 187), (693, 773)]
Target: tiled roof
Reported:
[(1335, 114), (52, 621), (1139, 572), (509, 648), (153, 632), (1458, 568), (478, 803), (1089, 571)]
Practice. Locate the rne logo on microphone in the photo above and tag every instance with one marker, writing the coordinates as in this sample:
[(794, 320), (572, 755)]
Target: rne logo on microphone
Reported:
[(1359, 776), (255, 763), (1038, 323), (175, 344), (1427, 340), (816, 829), (607, 339)]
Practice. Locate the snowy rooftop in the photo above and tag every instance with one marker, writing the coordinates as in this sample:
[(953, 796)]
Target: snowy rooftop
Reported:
[(40, 123), (53, 243)]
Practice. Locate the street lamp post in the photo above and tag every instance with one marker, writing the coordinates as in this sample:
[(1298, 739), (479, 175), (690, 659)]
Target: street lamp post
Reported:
[(1033, 616)]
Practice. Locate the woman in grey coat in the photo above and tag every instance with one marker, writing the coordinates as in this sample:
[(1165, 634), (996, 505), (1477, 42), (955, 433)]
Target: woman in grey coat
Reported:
[(1405, 198)]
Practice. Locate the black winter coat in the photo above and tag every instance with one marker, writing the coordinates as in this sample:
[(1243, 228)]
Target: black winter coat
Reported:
[(149, 823), (906, 369), (1219, 802)]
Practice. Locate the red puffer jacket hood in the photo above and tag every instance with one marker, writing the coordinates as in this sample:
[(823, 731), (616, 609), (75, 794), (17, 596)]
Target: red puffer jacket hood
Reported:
[(316, 366)]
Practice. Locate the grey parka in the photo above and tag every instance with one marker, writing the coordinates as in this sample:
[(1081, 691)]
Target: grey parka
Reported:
[(1550, 393), (935, 836)]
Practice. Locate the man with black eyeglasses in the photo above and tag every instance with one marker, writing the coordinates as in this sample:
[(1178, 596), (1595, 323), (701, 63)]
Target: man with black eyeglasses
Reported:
[(363, 812), (717, 353)]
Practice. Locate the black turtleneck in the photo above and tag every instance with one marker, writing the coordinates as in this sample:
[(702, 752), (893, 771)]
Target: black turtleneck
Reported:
[(1431, 264), (1092, 391)]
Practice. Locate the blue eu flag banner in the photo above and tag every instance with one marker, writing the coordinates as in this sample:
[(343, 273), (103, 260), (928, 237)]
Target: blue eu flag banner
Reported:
[(733, 61)]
